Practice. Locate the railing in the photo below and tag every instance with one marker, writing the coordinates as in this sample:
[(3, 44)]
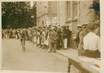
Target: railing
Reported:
[(74, 59)]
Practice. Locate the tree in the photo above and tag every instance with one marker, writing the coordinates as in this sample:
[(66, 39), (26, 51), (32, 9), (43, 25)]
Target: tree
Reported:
[(16, 15), (96, 7)]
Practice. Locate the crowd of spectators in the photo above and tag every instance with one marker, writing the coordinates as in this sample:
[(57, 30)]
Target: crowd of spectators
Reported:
[(54, 37)]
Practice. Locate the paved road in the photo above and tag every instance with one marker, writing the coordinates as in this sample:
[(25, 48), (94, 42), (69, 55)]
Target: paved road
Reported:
[(34, 58)]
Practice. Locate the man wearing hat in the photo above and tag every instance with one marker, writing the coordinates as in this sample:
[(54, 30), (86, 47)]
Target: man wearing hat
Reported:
[(82, 33), (91, 42), (53, 36), (77, 35)]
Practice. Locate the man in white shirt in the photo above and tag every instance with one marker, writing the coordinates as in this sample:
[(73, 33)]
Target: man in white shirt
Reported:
[(91, 43)]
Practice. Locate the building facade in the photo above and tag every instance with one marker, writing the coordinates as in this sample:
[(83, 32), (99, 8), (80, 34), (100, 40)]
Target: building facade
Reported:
[(73, 13), (64, 13), (42, 13), (46, 13)]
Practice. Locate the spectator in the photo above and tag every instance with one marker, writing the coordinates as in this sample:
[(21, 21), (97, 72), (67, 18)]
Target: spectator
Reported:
[(77, 35), (66, 37), (69, 34), (53, 36), (82, 33), (91, 43), (59, 41)]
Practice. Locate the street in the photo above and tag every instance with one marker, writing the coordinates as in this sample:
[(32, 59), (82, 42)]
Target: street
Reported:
[(34, 58)]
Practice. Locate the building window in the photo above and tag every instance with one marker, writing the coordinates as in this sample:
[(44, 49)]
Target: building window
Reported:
[(68, 7), (75, 8)]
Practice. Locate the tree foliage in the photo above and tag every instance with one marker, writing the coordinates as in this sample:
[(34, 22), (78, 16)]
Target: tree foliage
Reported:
[(96, 7), (16, 15)]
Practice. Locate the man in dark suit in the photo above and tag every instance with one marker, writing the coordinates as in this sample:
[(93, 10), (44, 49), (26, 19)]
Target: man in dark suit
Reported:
[(82, 33), (53, 36), (66, 37), (77, 35)]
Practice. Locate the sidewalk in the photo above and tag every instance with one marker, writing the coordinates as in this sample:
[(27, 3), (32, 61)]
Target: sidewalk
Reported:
[(67, 52)]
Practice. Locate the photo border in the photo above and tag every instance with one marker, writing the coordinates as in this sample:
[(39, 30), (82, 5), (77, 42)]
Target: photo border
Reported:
[(101, 37)]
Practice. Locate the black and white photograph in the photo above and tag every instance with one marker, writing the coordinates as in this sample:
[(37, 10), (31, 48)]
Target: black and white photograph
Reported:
[(51, 36)]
